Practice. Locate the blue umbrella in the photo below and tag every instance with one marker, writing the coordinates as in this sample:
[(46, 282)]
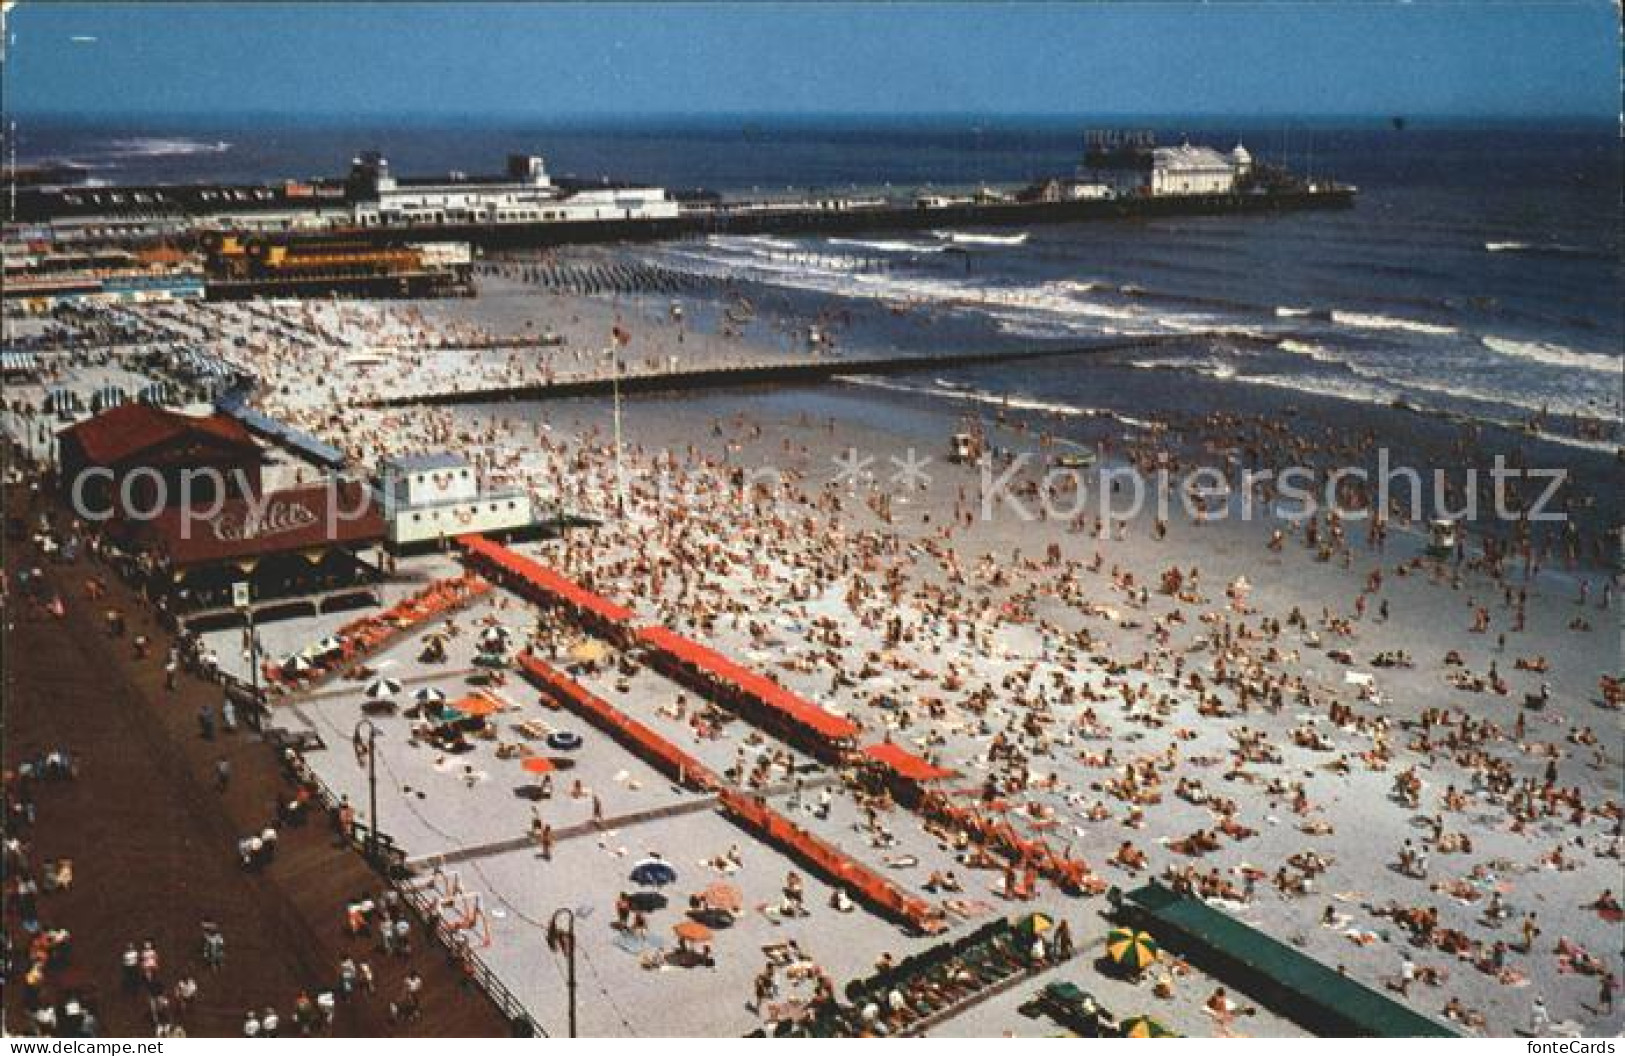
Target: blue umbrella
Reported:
[(654, 872), (564, 740)]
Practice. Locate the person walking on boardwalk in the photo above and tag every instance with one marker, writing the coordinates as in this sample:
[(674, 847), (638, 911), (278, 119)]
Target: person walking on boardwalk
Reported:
[(214, 946)]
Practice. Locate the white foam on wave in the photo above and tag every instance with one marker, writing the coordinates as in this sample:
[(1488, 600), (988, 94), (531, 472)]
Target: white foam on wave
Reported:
[(972, 239), (885, 245), (166, 147), (1372, 321), (993, 399), (1051, 305), (1553, 355), (1548, 249), (1379, 395), (1318, 353), (1212, 368)]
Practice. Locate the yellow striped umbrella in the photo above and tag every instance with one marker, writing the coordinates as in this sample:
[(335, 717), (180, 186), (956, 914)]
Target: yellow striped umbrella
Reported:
[(1127, 948), (1037, 924), (1145, 1027)]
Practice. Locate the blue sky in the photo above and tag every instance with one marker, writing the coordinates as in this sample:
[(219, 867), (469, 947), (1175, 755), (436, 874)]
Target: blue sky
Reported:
[(1476, 60)]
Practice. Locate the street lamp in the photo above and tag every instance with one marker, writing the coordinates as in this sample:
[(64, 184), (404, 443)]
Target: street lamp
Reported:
[(242, 600), (562, 939), (365, 740)]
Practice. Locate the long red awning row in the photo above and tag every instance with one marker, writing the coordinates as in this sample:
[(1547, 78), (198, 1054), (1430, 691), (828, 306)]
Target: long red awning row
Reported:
[(751, 814), (760, 687), (904, 763), (829, 861), (638, 738), (1070, 874), (554, 588), (531, 579)]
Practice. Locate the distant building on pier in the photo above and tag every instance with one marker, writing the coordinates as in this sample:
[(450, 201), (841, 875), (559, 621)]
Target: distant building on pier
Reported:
[(523, 194)]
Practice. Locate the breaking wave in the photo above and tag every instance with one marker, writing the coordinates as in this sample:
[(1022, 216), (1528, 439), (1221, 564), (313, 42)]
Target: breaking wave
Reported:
[(1372, 321), (993, 399), (163, 147), (1553, 355), (969, 239), (1549, 249), (889, 245)]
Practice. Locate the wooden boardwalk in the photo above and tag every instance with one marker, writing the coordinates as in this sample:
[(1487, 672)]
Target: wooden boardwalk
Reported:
[(153, 840)]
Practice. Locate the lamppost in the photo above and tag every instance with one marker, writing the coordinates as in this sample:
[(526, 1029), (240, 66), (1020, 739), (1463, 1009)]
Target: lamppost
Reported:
[(562, 939), (242, 599), (366, 750)]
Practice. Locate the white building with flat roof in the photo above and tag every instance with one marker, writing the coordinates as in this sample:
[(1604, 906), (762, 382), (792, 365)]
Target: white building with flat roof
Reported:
[(525, 194), (1191, 170), (1132, 165), (438, 496)]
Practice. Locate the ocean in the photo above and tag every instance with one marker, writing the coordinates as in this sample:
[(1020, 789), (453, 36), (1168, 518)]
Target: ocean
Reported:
[(1478, 275)]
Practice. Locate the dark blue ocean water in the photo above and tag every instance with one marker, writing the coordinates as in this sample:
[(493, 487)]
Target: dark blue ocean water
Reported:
[(1479, 272)]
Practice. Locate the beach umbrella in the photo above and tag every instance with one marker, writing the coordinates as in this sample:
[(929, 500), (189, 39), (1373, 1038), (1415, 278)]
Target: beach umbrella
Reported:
[(725, 897), (587, 651), (428, 695), (480, 707), (564, 740), (653, 872), (1127, 948), (692, 931), (493, 639), (1144, 1027), (537, 764), (382, 689), (296, 663), (329, 645), (1037, 924)]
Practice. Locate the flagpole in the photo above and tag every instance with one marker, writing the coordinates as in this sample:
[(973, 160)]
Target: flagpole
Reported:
[(620, 468)]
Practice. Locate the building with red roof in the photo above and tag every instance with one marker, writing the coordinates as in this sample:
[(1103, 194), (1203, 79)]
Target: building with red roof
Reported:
[(136, 459)]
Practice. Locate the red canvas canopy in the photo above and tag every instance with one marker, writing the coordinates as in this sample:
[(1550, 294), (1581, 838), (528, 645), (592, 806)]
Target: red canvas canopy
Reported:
[(556, 589), (759, 687), (753, 814), (904, 763)]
